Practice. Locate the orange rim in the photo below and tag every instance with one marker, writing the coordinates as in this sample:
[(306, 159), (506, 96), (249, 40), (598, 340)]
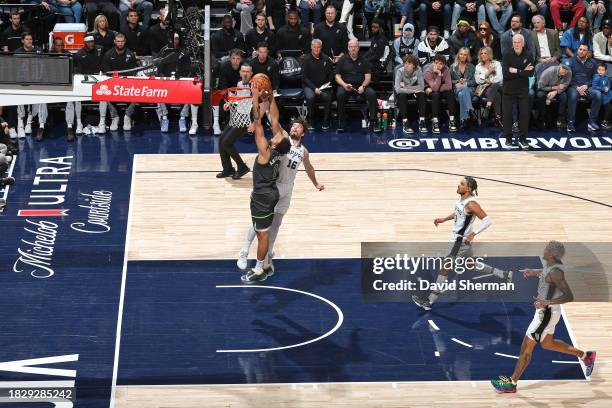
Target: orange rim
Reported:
[(225, 94)]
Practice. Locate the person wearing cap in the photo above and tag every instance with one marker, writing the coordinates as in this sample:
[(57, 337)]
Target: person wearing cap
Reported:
[(602, 45), (463, 37), (406, 44), (472, 9), (583, 69), (87, 61), (552, 86), (546, 44), (603, 83), (378, 44), (432, 45), (495, 6), (435, 12)]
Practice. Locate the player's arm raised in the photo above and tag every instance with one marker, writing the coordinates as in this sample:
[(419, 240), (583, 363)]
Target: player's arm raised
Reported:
[(485, 221), (310, 171), (557, 276), (263, 147)]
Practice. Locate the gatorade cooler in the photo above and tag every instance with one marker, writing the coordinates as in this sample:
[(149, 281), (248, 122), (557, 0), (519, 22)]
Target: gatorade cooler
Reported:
[(72, 34)]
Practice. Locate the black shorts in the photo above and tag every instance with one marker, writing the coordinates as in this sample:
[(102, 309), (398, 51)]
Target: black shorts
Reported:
[(262, 209)]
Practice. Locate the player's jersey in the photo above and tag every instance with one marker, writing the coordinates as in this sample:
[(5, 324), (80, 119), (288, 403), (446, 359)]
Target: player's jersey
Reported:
[(548, 290), (290, 164), (265, 175), (463, 220)]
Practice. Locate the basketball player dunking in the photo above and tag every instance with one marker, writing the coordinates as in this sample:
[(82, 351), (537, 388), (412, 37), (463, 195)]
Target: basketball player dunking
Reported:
[(290, 164), (553, 291), (466, 210), (265, 173)]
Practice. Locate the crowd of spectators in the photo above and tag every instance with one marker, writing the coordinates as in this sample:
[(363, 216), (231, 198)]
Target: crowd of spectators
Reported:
[(449, 56)]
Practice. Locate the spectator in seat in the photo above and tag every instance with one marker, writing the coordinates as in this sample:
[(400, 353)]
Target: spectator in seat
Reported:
[(229, 75), (40, 109), (11, 36), (180, 65), (473, 10), (72, 10), (595, 12), (583, 70), (574, 37), (462, 77), (406, 10), (487, 37), (292, 36), (134, 33), (159, 35), (602, 45), (333, 35), (463, 37), (144, 7), (576, 7), (546, 44), (552, 86), (496, 6), (603, 83), (409, 84), (517, 66), (353, 76), (435, 12), (260, 33), (87, 61), (104, 37), (226, 39), (378, 43), (308, 9), (489, 77), (317, 70), (42, 16), (118, 58), (276, 11), (535, 7), (516, 27), (263, 64), (246, 9), (433, 45), (406, 44), (438, 85), (107, 8)]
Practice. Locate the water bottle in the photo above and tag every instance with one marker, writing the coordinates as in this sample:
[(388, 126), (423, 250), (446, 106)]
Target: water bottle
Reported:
[(385, 121), (379, 119)]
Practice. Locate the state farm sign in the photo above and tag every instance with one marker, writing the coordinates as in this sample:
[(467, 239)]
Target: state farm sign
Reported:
[(150, 90)]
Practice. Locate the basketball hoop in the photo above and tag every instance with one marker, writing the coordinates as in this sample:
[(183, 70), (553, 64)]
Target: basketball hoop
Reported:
[(241, 103)]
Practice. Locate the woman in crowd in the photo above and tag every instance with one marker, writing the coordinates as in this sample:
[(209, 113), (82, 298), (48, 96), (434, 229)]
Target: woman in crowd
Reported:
[(489, 79), (488, 38), (102, 35), (462, 77)]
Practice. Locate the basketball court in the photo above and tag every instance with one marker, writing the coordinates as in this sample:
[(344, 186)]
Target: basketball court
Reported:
[(143, 305)]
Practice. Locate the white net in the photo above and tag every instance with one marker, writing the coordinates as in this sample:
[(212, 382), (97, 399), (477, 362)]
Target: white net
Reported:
[(240, 109)]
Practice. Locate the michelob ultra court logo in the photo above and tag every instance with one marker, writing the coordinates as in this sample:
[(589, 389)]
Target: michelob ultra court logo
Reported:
[(148, 90), (46, 203)]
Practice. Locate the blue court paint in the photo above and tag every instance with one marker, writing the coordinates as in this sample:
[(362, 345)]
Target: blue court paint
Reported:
[(175, 320)]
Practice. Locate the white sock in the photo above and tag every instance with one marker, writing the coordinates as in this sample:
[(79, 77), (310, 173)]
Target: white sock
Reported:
[(258, 267), (498, 272), (422, 118), (451, 118), (433, 296), (250, 236), (276, 223)]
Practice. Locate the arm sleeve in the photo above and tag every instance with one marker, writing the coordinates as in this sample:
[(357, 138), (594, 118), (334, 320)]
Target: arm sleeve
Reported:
[(484, 224)]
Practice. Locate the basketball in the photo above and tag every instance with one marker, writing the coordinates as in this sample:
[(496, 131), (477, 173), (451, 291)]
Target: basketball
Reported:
[(262, 83)]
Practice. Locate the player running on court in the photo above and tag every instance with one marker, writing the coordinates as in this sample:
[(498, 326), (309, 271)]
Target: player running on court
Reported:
[(290, 165), (553, 291), (265, 173), (466, 210)]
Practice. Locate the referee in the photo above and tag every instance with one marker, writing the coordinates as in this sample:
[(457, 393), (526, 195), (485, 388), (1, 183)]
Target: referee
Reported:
[(517, 67), (234, 131)]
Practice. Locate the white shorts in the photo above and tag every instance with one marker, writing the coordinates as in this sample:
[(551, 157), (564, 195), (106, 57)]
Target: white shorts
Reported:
[(284, 200), (539, 328)]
